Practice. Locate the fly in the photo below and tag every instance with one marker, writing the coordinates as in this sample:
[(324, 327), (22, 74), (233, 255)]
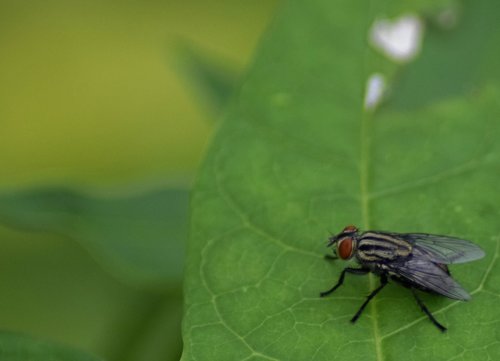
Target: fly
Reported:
[(418, 261)]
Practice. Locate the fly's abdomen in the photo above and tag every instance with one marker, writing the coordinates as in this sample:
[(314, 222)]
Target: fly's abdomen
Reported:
[(380, 247)]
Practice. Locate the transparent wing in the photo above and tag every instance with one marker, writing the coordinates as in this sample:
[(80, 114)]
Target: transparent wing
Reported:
[(442, 249), (430, 276)]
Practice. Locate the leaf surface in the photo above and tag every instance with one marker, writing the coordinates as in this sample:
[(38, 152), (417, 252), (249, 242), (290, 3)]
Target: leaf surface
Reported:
[(298, 156)]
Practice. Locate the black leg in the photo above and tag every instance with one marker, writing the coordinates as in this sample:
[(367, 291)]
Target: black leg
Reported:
[(354, 271), (383, 282), (427, 312)]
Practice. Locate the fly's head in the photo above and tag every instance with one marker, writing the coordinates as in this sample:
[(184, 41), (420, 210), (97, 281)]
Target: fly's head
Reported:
[(344, 242)]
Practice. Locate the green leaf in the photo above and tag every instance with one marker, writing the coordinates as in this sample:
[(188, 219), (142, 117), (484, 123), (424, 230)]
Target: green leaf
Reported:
[(446, 68), (53, 289), (139, 237), (14, 347), (212, 80), (298, 156), (160, 337)]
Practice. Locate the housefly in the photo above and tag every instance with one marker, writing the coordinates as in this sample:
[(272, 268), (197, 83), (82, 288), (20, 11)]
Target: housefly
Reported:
[(418, 261)]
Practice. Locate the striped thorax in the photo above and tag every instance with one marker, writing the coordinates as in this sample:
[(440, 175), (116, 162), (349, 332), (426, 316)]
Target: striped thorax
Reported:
[(377, 247)]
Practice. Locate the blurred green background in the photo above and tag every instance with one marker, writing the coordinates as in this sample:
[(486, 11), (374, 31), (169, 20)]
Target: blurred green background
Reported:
[(105, 110)]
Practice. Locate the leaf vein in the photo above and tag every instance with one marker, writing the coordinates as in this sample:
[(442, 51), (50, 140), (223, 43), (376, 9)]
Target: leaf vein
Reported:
[(216, 308), (449, 173), (247, 222)]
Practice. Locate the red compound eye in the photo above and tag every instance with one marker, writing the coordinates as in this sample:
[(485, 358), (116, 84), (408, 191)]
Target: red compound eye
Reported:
[(350, 229), (344, 248)]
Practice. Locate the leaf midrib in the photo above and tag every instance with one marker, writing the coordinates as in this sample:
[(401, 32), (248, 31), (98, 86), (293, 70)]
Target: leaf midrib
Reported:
[(365, 216)]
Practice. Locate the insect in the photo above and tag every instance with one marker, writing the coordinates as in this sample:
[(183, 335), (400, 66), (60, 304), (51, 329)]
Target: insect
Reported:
[(417, 261)]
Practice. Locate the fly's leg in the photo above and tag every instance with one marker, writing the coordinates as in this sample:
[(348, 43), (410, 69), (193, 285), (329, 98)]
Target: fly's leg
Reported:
[(330, 257), (383, 282), (354, 271), (427, 312)]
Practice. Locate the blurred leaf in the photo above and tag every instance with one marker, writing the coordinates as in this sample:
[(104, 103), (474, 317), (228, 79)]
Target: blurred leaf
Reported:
[(15, 347), (141, 237), (396, 8), (296, 156), (159, 338), (446, 68), (212, 80), (52, 288)]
